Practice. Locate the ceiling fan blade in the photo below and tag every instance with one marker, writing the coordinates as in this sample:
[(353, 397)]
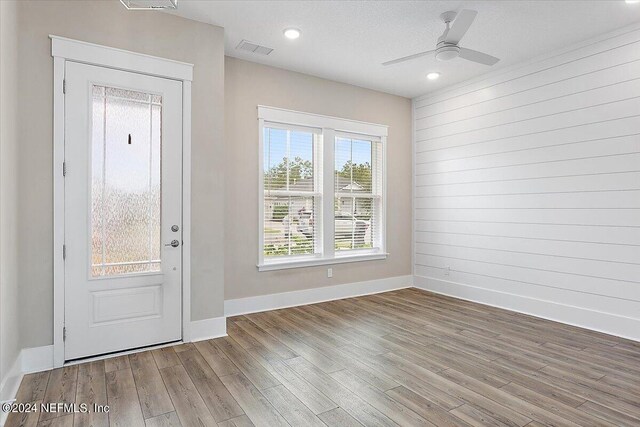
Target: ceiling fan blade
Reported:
[(479, 57), (407, 58), (460, 25)]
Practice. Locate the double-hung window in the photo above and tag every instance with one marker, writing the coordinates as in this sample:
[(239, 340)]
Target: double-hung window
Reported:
[(358, 182), (291, 191), (322, 190)]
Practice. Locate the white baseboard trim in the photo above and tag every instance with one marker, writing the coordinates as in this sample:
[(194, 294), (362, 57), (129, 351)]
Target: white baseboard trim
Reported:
[(9, 385), (214, 327), (236, 307), (29, 360), (608, 323), (37, 359)]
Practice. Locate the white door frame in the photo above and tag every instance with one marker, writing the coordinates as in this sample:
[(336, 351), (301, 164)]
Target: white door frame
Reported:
[(63, 50)]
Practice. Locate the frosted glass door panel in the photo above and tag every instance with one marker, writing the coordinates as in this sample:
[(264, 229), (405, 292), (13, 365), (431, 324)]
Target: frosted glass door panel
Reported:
[(125, 182)]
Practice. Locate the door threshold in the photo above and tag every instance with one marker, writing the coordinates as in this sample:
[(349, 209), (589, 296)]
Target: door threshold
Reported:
[(121, 353)]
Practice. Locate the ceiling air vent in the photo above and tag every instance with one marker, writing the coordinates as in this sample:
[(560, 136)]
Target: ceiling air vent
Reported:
[(149, 4), (253, 48)]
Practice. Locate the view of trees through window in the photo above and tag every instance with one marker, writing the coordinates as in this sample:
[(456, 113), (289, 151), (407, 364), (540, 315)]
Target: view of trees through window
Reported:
[(295, 170)]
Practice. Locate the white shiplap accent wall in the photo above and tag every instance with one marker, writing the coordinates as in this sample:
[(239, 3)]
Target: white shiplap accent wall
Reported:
[(527, 187)]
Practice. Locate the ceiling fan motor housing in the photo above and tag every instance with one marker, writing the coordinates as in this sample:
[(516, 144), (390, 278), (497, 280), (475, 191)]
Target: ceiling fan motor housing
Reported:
[(447, 51)]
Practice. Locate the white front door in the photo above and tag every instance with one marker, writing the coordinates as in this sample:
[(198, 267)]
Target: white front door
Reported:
[(123, 210)]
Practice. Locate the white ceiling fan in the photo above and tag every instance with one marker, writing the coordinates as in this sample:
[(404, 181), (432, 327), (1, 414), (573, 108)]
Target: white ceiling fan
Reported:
[(447, 46)]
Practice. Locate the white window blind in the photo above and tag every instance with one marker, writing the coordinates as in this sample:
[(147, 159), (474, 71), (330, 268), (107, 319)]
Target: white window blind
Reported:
[(292, 191), (358, 193)]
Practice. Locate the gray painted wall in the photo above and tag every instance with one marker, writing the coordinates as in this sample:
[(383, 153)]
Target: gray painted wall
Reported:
[(160, 34), (9, 337), (247, 85)]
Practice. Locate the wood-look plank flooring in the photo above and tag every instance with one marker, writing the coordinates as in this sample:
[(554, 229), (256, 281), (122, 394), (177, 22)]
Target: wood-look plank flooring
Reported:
[(406, 357)]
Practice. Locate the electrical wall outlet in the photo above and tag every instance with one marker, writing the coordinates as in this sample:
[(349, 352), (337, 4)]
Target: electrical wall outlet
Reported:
[(329, 272)]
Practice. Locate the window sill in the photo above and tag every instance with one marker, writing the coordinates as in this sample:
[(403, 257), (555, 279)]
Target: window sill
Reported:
[(340, 259)]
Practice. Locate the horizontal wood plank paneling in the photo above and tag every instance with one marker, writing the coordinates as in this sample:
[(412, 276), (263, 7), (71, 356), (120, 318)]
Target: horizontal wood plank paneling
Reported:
[(614, 236), (607, 76), (554, 106), (628, 218), (527, 181), (615, 254), (619, 145)]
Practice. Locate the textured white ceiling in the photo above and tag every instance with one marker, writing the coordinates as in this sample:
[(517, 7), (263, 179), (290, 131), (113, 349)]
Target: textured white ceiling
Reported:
[(347, 41)]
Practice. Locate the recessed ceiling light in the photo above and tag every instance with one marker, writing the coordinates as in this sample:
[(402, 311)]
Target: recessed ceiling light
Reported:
[(433, 76), (632, 1), (291, 33)]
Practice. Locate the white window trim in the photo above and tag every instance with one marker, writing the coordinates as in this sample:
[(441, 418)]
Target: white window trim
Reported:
[(330, 126)]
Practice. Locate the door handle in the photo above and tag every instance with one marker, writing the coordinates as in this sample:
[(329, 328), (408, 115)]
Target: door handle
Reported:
[(174, 244)]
